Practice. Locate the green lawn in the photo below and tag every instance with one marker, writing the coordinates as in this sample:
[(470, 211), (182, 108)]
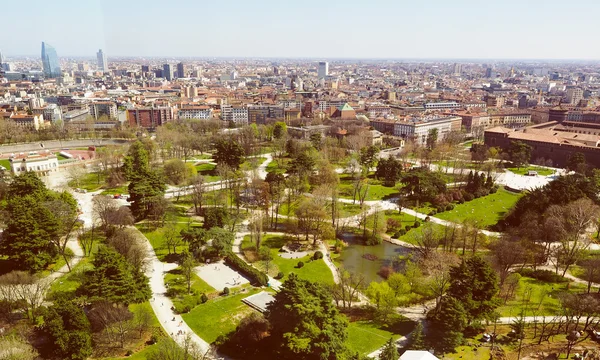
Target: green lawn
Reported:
[(68, 283), (345, 209), (540, 170), (208, 172), (485, 210), (123, 189), (90, 181), (156, 238), (5, 163), (252, 163), (219, 316), (367, 336), (176, 280), (278, 165), (375, 191), (205, 167), (313, 270), (537, 297)]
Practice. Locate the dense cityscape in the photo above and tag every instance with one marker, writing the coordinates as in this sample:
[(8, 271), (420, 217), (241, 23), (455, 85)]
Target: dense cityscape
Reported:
[(318, 208)]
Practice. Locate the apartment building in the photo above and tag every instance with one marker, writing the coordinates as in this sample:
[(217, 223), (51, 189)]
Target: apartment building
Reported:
[(103, 108), (448, 105), (195, 112), (150, 117), (236, 114), (378, 111)]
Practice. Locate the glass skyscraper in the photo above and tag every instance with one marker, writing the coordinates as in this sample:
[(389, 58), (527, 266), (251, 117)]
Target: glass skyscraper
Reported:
[(50, 61)]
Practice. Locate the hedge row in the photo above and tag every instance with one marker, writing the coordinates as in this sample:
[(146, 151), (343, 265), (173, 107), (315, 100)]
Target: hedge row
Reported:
[(543, 275), (254, 275)]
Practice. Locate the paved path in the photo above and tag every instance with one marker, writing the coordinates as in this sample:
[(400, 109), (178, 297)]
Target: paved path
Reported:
[(161, 304)]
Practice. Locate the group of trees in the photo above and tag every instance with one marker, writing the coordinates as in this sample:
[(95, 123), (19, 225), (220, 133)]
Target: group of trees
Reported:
[(38, 223), (301, 323)]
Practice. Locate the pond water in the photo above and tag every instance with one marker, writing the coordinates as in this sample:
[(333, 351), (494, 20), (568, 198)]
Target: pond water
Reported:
[(368, 260)]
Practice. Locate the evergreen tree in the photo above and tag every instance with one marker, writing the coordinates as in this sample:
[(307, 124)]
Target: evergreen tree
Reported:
[(136, 163), (475, 285), (145, 194), (418, 338), (229, 152), (69, 330), (113, 279), (305, 324), (447, 324), (389, 351)]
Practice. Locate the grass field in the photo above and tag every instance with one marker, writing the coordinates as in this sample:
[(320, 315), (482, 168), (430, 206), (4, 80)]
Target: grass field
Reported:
[(68, 283), (485, 210), (367, 336), (345, 209), (5, 163), (219, 316), (90, 181), (313, 270), (540, 170), (208, 172), (278, 165), (157, 240), (537, 297)]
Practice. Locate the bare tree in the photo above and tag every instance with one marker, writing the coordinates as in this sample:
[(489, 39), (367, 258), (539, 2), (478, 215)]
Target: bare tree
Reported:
[(172, 238), (506, 254), (198, 191), (115, 321), (102, 208), (427, 241), (437, 268), (27, 289)]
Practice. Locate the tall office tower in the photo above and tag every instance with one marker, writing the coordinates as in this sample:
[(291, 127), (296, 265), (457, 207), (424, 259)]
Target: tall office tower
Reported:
[(457, 69), (102, 63), (489, 72), (50, 61), (181, 70), (1, 58), (168, 72), (323, 69)]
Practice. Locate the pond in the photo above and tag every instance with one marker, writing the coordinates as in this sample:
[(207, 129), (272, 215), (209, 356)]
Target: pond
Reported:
[(369, 260)]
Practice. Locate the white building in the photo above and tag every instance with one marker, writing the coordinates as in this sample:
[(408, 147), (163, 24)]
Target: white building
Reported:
[(323, 69), (42, 164), (238, 115), (442, 105), (574, 95), (195, 112)]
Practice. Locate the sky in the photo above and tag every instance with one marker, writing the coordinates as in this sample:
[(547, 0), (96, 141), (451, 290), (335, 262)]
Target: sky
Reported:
[(316, 29)]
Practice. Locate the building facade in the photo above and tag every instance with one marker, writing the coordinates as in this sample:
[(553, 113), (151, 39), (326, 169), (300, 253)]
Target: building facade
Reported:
[(102, 63), (50, 62), (149, 117), (195, 112)]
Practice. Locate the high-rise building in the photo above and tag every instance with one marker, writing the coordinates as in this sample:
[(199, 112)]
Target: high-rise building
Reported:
[(181, 70), (50, 61), (489, 72), (1, 58), (168, 72), (457, 68), (323, 69), (102, 63)]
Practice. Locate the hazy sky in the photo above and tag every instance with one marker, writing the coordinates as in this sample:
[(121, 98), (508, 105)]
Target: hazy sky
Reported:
[(541, 29)]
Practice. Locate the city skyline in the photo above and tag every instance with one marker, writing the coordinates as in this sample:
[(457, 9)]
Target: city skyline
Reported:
[(332, 30)]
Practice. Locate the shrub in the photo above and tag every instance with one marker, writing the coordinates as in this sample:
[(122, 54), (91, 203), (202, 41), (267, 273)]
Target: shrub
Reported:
[(449, 207), (385, 272), (543, 275), (317, 255), (441, 208), (494, 189), (129, 353), (393, 223), (432, 212), (186, 305), (397, 234), (300, 265), (402, 232), (407, 228), (469, 197), (226, 290), (203, 298), (279, 275), (254, 275), (416, 224), (427, 219)]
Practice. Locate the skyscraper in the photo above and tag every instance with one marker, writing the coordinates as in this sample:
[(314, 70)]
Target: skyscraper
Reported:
[(181, 70), (488, 72), (323, 69), (102, 63), (50, 61), (168, 72), (457, 68), (1, 58)]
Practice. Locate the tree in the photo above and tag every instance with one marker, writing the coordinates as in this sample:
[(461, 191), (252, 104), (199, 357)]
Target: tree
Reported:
[(265, 255), (591, 266), (198, 192), (305, 323), (145, 194), (187, 265), (347, 288), (65, 213), (576, 162), (368, 157), (506, 253), (68, 328), (136, 163), (423, 184), (384, 298), (178, 172), (168, 349), (519, 153), (389, 170), (31, 229), (437, 267), (24, 289), (214, 217), (475, 285), (447, 324), (113, 279), (417, 338), (389, 351), (279, 130), (316, 139), (432, 138), (229, 152), (114, 321), (311, 219)]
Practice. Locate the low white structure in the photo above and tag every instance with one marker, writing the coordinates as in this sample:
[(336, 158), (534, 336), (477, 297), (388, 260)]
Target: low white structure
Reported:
[(418, 355), (42, 164)]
